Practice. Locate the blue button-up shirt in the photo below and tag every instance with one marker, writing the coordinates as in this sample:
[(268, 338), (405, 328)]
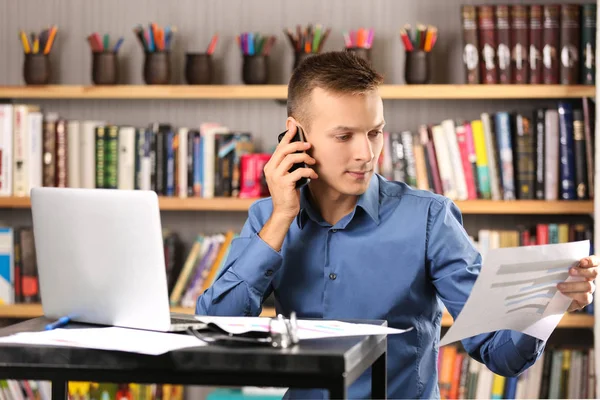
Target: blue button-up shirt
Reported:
[(400, 255)]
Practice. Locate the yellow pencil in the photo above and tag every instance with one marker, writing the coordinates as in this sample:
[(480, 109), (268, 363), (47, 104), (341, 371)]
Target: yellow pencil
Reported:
[(36, 45), (25, 42), (427, 46)]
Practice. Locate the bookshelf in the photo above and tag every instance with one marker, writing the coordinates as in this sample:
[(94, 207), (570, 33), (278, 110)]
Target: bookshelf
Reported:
[(20, 311), (274, 92), (540, 207)]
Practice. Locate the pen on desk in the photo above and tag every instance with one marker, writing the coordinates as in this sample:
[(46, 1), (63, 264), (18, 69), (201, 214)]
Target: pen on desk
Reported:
[(58, 323)]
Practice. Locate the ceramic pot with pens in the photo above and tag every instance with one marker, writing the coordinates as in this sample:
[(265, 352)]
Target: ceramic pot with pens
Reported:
[(198, 68), (362, 52), (157, 68), (36, 69), (301, 56), (417, 67), (105, 68), (255, 69)]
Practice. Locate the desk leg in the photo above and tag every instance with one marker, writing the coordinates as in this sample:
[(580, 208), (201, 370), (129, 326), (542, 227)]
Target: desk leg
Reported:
[(379, 378), (59, 390), (337, 390)]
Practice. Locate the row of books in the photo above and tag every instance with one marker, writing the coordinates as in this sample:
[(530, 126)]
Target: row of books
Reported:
[(499, 156), (529, 44), (43, 149), (124, 391), (559, 373)]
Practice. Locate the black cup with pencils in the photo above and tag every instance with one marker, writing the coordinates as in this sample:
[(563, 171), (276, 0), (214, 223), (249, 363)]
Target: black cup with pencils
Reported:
[(105, 66), (418, 46), (36, 65), (255, 49), (306, 41), (360, 42), (156, 42), (199, 66)]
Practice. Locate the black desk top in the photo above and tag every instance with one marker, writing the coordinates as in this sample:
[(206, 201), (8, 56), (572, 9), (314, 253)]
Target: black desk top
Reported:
[(347, 356)]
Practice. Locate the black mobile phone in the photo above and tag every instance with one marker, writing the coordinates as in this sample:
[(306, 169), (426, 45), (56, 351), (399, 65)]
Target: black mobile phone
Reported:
[(298, 137)]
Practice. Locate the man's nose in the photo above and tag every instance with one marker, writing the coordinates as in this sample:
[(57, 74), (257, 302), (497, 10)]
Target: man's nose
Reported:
[(364, 149)]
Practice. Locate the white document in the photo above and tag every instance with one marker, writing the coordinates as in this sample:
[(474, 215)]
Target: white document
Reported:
[(516, 290), (307, 329), (109, 338)]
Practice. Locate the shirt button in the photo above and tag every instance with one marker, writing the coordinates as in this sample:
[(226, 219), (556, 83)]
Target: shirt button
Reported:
[(334, 230), (269, 272), (332, 276)]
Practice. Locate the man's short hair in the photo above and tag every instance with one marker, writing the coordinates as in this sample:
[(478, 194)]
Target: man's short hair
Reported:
[(337, 71)]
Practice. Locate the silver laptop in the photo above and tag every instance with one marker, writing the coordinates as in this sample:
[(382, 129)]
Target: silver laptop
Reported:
[(100, 258)]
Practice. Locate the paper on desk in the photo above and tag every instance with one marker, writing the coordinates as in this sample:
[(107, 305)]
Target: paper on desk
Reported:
[(307, 329), (109, 338), (516, 289)]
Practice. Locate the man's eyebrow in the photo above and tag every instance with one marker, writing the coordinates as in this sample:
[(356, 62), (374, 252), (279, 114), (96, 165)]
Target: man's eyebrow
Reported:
[(344, 128)]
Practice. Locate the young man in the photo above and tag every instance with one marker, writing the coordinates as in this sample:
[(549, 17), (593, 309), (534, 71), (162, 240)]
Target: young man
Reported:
[(353, 245)]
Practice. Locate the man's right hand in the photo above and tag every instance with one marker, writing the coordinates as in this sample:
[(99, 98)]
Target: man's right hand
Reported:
[(285, 196), (282, 186)]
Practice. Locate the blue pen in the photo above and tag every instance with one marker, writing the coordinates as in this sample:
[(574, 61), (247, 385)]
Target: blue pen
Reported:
[(58, 323), (116, 48)]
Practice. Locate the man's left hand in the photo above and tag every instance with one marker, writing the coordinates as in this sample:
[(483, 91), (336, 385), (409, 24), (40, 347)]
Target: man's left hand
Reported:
[(581, 291)]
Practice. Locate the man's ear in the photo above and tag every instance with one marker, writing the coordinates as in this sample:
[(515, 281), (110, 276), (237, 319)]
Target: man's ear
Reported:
[(289, 122)]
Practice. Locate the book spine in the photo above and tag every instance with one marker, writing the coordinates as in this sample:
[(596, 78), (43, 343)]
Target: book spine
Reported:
[(461, 133), (140, 139), (61, 154), (505, 152), (535, 44), (471, 47), (35, 122), (6, 149), (525, 158), (161, 162), (540, 134), (503, 44), (126, 175), (551, 44), (190, 163), (111, 157), (579, 145), (519, 44), (589, 148), (198, 165), (426, 137), (483, 171), (169, 137), (74, 154), (551, 154), (566, 151), (100, 156), (398, 157), (20, 147), (569, 44), (409, 154), (487, 44), (588, 44)]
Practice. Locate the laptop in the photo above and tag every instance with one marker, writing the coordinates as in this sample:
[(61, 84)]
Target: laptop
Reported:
[(101, 260)]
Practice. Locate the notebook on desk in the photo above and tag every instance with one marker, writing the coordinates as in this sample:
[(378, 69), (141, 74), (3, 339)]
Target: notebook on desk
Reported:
[(101, 260)]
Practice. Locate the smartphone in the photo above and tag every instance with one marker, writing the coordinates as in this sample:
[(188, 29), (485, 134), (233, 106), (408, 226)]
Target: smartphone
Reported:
[(298, 137)]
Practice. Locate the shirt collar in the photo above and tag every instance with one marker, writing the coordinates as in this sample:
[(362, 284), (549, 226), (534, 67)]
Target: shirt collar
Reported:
[(368, 201)]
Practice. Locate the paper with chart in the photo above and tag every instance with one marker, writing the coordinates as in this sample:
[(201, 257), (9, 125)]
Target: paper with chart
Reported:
[(108, 338), (516, 289), (307, 329)]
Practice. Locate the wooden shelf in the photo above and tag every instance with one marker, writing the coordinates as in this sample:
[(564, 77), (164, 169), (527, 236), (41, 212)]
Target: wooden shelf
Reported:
[(541, 207), (175, 92), (23, 311)]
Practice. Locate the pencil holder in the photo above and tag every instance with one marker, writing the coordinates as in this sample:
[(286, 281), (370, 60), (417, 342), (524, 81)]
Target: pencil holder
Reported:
[(36, 69), (157, 68), (198, 68), (362, 52), (417, 67), (255, 69), (105, 68), (301, 56)]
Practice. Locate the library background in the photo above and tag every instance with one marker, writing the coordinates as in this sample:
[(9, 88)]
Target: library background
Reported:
[(489, 103)]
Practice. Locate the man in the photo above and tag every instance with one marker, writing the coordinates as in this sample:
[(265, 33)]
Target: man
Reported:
[(353, 245)]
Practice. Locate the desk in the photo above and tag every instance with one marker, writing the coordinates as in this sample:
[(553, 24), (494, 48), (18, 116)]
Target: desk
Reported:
[(331, 364)]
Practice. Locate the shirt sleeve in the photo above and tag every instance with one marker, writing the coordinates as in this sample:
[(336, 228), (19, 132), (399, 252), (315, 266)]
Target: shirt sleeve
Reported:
[(246, 278), (454, 264)]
